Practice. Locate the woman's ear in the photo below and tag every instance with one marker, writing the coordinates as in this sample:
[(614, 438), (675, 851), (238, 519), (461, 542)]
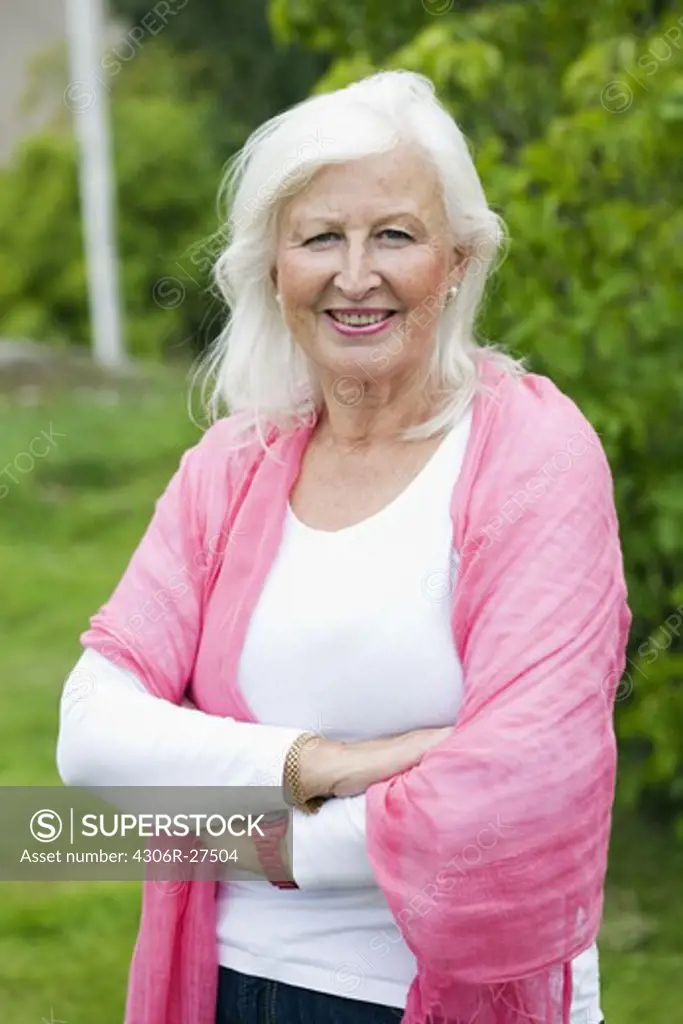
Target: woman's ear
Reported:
[(459, 264), (273, 277)]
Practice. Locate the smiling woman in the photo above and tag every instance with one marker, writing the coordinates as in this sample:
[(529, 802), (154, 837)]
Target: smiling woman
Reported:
[(355, 268), (451, 816), (373, 206)]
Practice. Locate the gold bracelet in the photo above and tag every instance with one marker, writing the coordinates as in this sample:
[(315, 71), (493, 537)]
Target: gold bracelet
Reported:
[(292, 776)]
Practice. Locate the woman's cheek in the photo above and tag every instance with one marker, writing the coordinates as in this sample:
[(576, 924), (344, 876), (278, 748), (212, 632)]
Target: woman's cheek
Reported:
[(304, 283), (415, 281), (301, 324)]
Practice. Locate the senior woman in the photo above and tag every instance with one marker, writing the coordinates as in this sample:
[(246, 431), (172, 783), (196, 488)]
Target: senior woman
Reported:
[(390, 583)]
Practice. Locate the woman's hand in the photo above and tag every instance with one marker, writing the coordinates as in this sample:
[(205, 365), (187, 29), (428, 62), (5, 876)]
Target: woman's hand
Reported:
[(329, 768)]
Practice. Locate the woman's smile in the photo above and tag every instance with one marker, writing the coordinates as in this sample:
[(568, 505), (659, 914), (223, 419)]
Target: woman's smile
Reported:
[(361, 321)]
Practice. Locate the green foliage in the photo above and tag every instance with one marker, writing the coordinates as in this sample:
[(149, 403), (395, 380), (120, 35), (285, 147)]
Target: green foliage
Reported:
[(167, 173), (42, 288), (345, 28), (248, 76), (575, 116), (180, 107)]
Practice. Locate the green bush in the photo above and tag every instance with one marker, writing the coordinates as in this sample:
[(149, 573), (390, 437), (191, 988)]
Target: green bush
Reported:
[(167, 173)]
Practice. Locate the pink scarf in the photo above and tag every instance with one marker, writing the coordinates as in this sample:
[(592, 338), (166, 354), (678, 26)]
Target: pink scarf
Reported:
[(491, 852)]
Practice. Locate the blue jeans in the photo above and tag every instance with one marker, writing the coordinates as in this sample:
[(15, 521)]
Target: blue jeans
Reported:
[(243, 999)]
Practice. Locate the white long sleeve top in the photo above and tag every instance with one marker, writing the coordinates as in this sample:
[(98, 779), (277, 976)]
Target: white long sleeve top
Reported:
[(346, 641)]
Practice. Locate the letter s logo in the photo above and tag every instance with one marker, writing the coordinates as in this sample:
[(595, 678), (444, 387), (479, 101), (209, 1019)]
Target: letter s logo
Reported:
[(46, 826)]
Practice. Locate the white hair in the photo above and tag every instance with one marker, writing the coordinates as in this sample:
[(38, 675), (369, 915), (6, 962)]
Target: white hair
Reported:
[(256, 367)]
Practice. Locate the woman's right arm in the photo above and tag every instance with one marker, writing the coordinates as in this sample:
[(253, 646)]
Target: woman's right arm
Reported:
[(113, 732)]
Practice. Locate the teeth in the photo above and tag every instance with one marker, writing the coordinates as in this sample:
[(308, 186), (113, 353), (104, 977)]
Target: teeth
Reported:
[(359, 319)]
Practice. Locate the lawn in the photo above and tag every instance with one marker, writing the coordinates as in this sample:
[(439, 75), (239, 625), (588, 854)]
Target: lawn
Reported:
[(69, 520)]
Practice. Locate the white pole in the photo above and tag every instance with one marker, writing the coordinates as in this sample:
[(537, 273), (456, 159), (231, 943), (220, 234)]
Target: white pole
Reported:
[(87, 98)]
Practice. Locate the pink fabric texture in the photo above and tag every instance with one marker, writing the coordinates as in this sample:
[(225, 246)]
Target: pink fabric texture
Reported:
[(492, 851)]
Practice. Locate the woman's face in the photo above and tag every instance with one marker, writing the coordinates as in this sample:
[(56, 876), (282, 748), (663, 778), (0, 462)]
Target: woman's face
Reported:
[(363, 264)]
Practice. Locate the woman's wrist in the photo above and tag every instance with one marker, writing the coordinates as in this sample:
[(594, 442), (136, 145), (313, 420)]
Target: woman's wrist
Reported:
[(318, 769)]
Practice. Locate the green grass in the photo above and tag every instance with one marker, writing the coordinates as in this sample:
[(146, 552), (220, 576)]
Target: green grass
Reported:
[(67, 529)]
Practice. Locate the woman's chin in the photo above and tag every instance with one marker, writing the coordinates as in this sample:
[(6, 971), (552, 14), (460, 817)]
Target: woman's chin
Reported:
[(355, 357), (359, 366)]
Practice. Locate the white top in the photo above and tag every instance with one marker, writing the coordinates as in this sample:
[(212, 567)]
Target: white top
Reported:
[(347, 641), (347, 630)]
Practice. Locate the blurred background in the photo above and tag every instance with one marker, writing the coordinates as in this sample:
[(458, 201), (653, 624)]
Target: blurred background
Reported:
[(109, 169)]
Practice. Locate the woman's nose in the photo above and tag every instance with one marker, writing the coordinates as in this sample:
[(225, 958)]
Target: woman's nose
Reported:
[(356, 275)]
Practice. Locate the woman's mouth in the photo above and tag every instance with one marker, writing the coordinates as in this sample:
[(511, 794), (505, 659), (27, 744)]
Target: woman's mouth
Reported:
[(360, 321)]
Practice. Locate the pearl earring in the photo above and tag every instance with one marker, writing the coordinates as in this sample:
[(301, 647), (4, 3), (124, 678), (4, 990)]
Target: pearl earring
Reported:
[(451, 294)]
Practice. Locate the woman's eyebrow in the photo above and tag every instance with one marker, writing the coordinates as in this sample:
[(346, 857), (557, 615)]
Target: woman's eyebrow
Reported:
[(305, 223), (309, 220), (395, 215)]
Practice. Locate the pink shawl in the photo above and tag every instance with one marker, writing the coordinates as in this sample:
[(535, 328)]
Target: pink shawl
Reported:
[(492, 851)]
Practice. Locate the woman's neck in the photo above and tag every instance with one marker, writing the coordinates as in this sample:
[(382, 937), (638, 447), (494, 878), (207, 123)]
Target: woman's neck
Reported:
[(357, 415)]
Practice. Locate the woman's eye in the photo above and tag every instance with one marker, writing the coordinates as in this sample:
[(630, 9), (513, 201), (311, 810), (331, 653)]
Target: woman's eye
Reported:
[(392, 234), (326, 236), (395, 234)]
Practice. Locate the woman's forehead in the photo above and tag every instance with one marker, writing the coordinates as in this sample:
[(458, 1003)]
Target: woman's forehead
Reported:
[(381, 185)]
